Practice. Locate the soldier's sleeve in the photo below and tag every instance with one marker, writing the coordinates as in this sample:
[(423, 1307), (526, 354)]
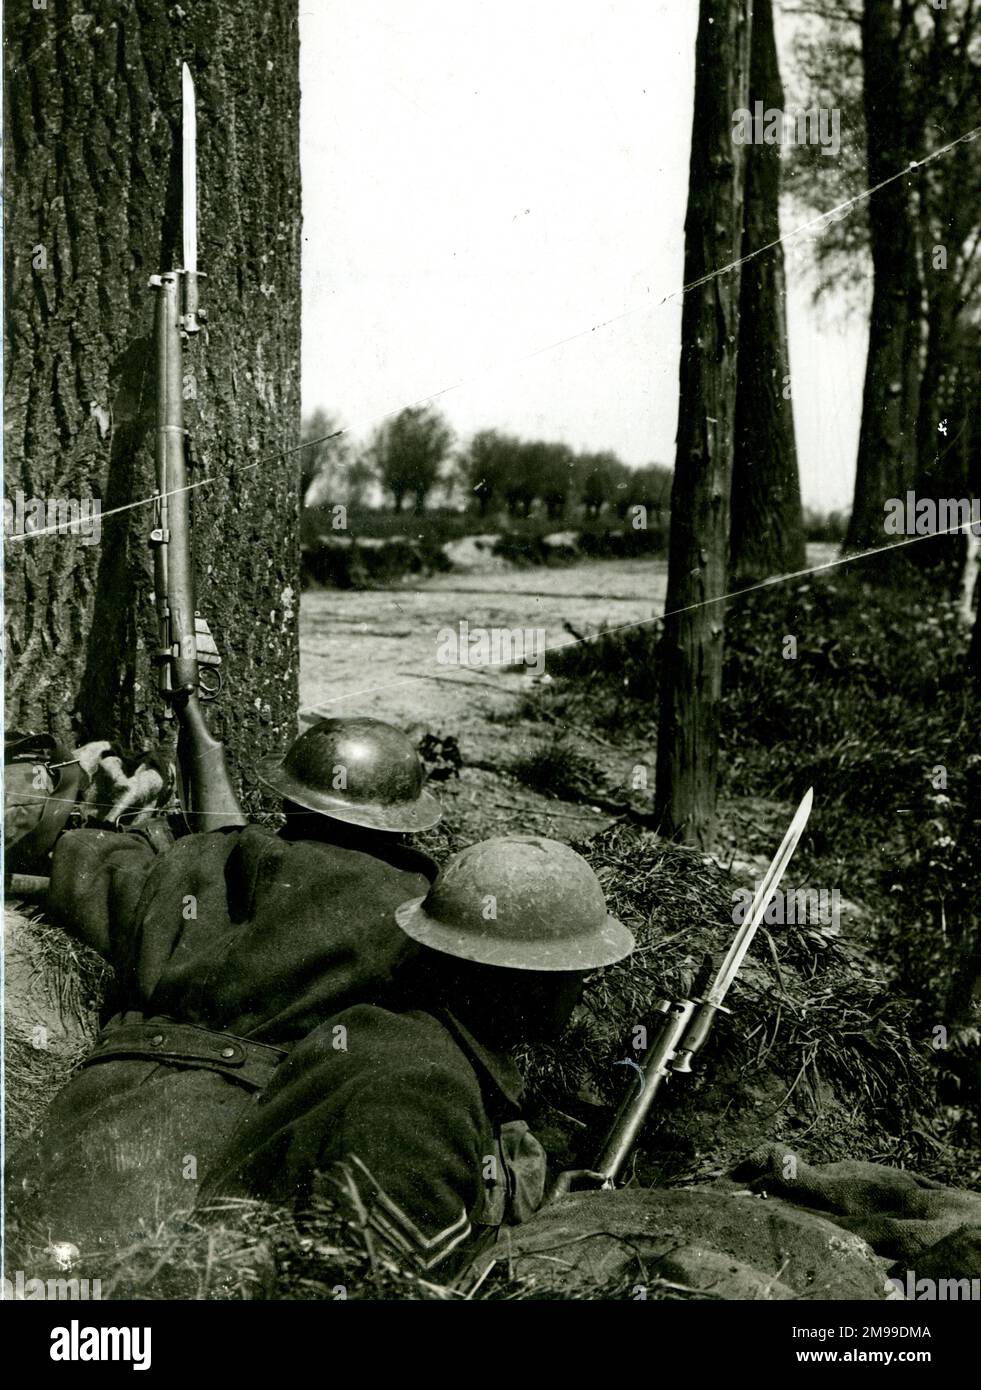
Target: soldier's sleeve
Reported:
[(97, 877), (380, 1111), (410, 1159)]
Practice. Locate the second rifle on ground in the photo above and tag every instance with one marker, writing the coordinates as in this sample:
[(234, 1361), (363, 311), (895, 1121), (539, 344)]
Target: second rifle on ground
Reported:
[(685, 1023)]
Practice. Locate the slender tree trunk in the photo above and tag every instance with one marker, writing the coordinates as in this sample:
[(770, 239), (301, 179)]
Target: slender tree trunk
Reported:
[(886, 463), (936, 461), (964, 994), (942, 424), (767, 532), (94, 208), (946, 217), (691, 647), (970, 444)]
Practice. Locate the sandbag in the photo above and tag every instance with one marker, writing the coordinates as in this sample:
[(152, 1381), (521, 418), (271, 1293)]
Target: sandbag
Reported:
[(900, 1214), (714, 1243)]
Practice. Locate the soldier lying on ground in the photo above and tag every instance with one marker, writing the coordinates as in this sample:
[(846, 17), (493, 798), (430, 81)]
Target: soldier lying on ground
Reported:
[(274, 929), (419, 1107), (226, 947)]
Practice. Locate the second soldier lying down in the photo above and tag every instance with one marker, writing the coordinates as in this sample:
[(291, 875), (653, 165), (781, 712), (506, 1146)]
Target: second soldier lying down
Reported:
[(420, 1106)]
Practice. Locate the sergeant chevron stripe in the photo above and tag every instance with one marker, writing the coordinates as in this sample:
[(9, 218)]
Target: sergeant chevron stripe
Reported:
[(387, 1219)]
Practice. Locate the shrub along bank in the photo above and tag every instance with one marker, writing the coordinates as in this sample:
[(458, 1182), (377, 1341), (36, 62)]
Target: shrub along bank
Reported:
[(338, 561)]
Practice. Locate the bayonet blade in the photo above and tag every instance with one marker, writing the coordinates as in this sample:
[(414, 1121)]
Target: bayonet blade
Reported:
[(189, 130), (761, 901)]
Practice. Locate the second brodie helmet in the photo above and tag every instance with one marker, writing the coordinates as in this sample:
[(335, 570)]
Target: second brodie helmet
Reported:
[(522, 902)]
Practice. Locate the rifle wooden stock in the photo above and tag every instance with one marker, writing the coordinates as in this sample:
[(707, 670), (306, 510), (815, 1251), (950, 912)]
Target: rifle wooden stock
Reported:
[(210, 802), (210, 798)]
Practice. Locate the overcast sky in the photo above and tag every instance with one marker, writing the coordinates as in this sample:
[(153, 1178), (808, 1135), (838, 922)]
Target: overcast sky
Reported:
[(485, 182)]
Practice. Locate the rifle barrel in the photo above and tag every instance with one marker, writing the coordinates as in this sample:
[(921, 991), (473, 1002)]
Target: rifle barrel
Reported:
[(172, 465), (211, 802), (634, 1108)]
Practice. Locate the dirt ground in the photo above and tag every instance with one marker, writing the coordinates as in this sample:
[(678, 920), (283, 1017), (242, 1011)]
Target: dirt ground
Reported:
[(374, 652)]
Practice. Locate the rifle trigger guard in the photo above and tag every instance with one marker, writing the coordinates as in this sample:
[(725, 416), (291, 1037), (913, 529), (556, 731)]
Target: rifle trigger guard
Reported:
[(209, 689)]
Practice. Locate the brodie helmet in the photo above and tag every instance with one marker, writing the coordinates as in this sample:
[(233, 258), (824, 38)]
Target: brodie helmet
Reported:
[(361, 771), (520, 901)]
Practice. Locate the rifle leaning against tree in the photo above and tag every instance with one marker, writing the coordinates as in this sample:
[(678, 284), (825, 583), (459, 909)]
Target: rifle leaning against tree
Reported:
[(186, 648)]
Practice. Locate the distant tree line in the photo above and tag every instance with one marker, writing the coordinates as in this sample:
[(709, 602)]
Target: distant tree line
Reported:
[(411, 461)]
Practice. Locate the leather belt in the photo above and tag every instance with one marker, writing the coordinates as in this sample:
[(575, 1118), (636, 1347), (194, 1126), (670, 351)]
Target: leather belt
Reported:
[(186, 1045)]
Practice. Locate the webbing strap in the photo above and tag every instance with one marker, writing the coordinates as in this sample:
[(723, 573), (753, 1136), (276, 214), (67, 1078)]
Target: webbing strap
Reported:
[(186, 1045)]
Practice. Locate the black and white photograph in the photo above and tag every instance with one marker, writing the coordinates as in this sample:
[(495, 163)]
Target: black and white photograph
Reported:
[(492, 666)]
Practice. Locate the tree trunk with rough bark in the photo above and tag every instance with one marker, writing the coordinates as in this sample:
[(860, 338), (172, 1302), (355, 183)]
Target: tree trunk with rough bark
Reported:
[(964, 993), (886, 463), (93, 209), (767, 529), (690, 651)]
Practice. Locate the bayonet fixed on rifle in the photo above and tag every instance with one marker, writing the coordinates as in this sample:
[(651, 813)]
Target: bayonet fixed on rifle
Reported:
[(186, 649), (686, 1023)]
